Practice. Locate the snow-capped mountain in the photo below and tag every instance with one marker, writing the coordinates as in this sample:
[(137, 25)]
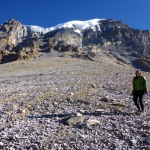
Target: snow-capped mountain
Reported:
[(77, 25), (78, 38)]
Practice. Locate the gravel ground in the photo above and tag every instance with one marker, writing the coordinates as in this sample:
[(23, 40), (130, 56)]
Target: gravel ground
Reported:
[(38, 97)]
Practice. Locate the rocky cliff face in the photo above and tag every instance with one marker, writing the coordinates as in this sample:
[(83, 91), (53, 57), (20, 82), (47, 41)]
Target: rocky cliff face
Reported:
[(23, 42), (11, 33)]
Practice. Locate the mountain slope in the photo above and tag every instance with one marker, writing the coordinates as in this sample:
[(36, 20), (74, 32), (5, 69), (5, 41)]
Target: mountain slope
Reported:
[(129, 45)]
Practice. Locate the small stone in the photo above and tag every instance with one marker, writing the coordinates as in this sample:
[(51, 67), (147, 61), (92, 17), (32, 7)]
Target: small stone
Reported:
[(82, 111), (78, 114), (133, 141), (100, 110), (11, 148), (105, 99), (55, 103), (92, 85), (72, 94), (1, 144), (65, 144), (25, 112)]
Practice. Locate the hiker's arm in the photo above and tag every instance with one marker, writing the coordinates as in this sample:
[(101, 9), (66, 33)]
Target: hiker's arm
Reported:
[(145, 85), (133, 85)]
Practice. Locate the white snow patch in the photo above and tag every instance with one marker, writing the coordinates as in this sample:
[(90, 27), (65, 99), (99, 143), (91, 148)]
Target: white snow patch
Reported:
[(77, 25)]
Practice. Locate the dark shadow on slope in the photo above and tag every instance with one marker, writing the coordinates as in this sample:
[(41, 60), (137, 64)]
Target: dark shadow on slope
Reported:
[(68, 115), (52, 116), (63, 118), (142, 64), (115, 113)]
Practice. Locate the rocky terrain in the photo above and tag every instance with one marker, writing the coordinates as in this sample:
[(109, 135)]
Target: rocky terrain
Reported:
[(61, 103)]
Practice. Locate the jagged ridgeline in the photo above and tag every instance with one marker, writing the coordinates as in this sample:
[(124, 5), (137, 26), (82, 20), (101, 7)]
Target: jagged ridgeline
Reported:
[(82, 39)]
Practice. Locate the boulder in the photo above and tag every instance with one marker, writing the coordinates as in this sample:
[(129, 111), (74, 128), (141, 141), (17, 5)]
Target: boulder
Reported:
[(75, 120), (91, 122)]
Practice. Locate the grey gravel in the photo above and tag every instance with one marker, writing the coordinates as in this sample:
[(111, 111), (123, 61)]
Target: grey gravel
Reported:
[(37, 97)]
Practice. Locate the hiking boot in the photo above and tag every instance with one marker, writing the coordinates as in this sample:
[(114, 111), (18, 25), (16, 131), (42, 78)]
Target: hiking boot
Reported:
[(142, 111), (138, 111)]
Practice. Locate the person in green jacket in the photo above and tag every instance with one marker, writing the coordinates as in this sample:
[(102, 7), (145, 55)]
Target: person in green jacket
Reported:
[(139, 89)]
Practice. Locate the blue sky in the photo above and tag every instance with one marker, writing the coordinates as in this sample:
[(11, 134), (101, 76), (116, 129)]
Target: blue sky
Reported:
[(48, 13)]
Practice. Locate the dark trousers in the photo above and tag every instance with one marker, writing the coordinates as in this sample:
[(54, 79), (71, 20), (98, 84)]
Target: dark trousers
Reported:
[(138, 99)]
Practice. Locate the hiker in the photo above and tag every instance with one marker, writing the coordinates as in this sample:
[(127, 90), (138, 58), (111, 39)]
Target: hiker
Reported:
[(139, 89)]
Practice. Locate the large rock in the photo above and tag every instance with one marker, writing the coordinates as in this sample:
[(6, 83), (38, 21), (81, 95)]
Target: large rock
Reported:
[(12, 32), (75, 120)]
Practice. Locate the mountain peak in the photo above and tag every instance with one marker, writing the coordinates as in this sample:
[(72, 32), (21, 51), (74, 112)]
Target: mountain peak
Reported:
[(81, 25), (12, 22), (77, 25)]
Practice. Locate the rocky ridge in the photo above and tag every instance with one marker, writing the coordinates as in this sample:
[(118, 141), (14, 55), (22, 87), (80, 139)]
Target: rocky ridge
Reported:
[(77, 39)]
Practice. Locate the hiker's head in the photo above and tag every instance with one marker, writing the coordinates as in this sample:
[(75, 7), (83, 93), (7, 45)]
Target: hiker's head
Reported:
[(138, 73)]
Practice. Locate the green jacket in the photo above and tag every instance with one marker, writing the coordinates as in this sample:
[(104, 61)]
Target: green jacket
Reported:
[(139, 83)]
